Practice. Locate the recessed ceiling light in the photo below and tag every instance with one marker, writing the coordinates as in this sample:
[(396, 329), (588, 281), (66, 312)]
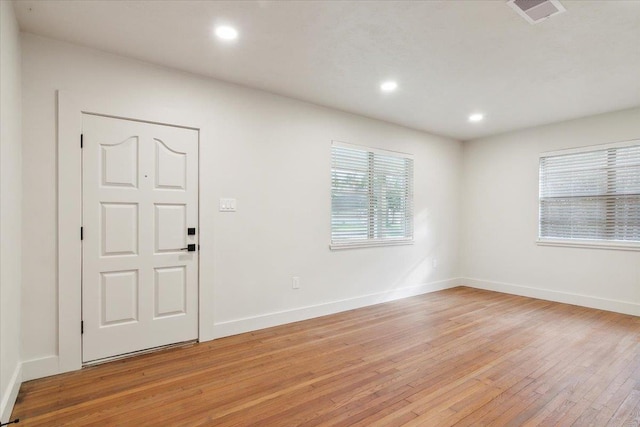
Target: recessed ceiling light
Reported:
[(226, 33), (476, 117), (389, 86)]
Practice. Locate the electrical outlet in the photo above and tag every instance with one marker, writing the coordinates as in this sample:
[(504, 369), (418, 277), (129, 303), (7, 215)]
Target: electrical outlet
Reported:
[(295, 282), (434, 263)]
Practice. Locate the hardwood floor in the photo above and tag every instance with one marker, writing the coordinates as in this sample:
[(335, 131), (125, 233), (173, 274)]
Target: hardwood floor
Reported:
[(457, 357)]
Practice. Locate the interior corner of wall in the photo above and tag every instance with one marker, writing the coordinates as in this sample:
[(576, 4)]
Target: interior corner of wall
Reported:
[(10, 395), (40, 368)]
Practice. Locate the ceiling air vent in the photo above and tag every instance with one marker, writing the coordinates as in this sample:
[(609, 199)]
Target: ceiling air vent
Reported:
[(535, 11)]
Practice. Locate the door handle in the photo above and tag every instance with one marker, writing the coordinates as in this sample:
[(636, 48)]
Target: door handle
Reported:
[(190, 248)]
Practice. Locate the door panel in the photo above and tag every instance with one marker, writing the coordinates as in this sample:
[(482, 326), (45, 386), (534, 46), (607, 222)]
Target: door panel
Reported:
[(171, 167), (119, 229), (170, 291), (170, 227), (119, 297), (140, 194), (119, 163)]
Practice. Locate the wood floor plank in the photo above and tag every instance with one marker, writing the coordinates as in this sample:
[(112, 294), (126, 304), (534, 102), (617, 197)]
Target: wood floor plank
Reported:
[(462, 357)]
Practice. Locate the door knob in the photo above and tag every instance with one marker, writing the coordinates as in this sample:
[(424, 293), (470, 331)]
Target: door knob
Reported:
[(190, 248)]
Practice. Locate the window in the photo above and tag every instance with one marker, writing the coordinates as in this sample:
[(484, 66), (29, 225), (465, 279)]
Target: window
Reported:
[(371, 197), (591, 196)]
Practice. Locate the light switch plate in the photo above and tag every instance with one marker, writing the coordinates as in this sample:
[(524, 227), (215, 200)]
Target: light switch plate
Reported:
[(227, 205)]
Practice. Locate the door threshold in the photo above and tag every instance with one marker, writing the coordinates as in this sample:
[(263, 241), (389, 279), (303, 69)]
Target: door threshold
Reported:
[(138, 353)]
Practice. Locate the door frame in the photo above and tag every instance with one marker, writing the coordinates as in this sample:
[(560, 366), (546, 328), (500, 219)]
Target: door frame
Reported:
[(70, 108)]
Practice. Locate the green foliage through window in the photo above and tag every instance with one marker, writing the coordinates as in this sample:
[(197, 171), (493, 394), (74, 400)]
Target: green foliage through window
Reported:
[(371, 197)]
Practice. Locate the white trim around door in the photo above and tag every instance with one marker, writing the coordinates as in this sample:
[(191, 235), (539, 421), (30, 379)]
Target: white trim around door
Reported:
[(69, 197)]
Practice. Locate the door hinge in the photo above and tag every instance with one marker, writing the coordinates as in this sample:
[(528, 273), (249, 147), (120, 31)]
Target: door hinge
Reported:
[(81, 140), (82, 327), (81, 233)]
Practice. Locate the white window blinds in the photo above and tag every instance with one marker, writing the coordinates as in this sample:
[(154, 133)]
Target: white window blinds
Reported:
[(591, 195), (371, 197)]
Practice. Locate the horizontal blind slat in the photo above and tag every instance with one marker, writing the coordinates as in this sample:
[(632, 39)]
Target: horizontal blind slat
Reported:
[(371, 195), (591, 195)]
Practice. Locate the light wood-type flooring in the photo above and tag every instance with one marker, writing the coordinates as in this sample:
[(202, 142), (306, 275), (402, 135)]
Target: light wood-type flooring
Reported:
[(456, 357)]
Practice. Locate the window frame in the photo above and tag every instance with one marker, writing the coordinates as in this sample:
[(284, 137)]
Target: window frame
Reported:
[(372, 242), (576, 242)]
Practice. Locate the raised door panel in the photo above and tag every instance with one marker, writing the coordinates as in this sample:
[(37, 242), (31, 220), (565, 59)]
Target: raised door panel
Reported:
[(170, 227), (171, 167), (119, 163), (119, 229), (119, 297), (170, 291)]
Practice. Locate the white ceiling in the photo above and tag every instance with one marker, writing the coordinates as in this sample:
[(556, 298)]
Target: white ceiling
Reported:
[(450, 58)]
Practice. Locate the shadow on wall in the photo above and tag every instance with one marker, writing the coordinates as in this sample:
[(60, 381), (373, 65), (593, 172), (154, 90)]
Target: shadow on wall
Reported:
[(422, 271)]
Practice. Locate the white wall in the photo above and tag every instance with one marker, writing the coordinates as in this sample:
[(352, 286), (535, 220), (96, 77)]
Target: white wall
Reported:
[(271, 153), (10, 212), (500, 205)]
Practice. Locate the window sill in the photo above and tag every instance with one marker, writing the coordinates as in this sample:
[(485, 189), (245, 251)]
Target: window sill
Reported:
[(369, 244), (591, 244)]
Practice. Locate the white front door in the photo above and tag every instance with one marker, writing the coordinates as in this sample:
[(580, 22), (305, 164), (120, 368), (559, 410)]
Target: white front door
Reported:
[(140, 197)]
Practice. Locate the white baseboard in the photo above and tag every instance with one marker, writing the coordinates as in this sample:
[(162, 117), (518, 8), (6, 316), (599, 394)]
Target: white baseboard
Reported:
[(239, 326), (39, 368), (49, 365), (10, 394), (557, 296)]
